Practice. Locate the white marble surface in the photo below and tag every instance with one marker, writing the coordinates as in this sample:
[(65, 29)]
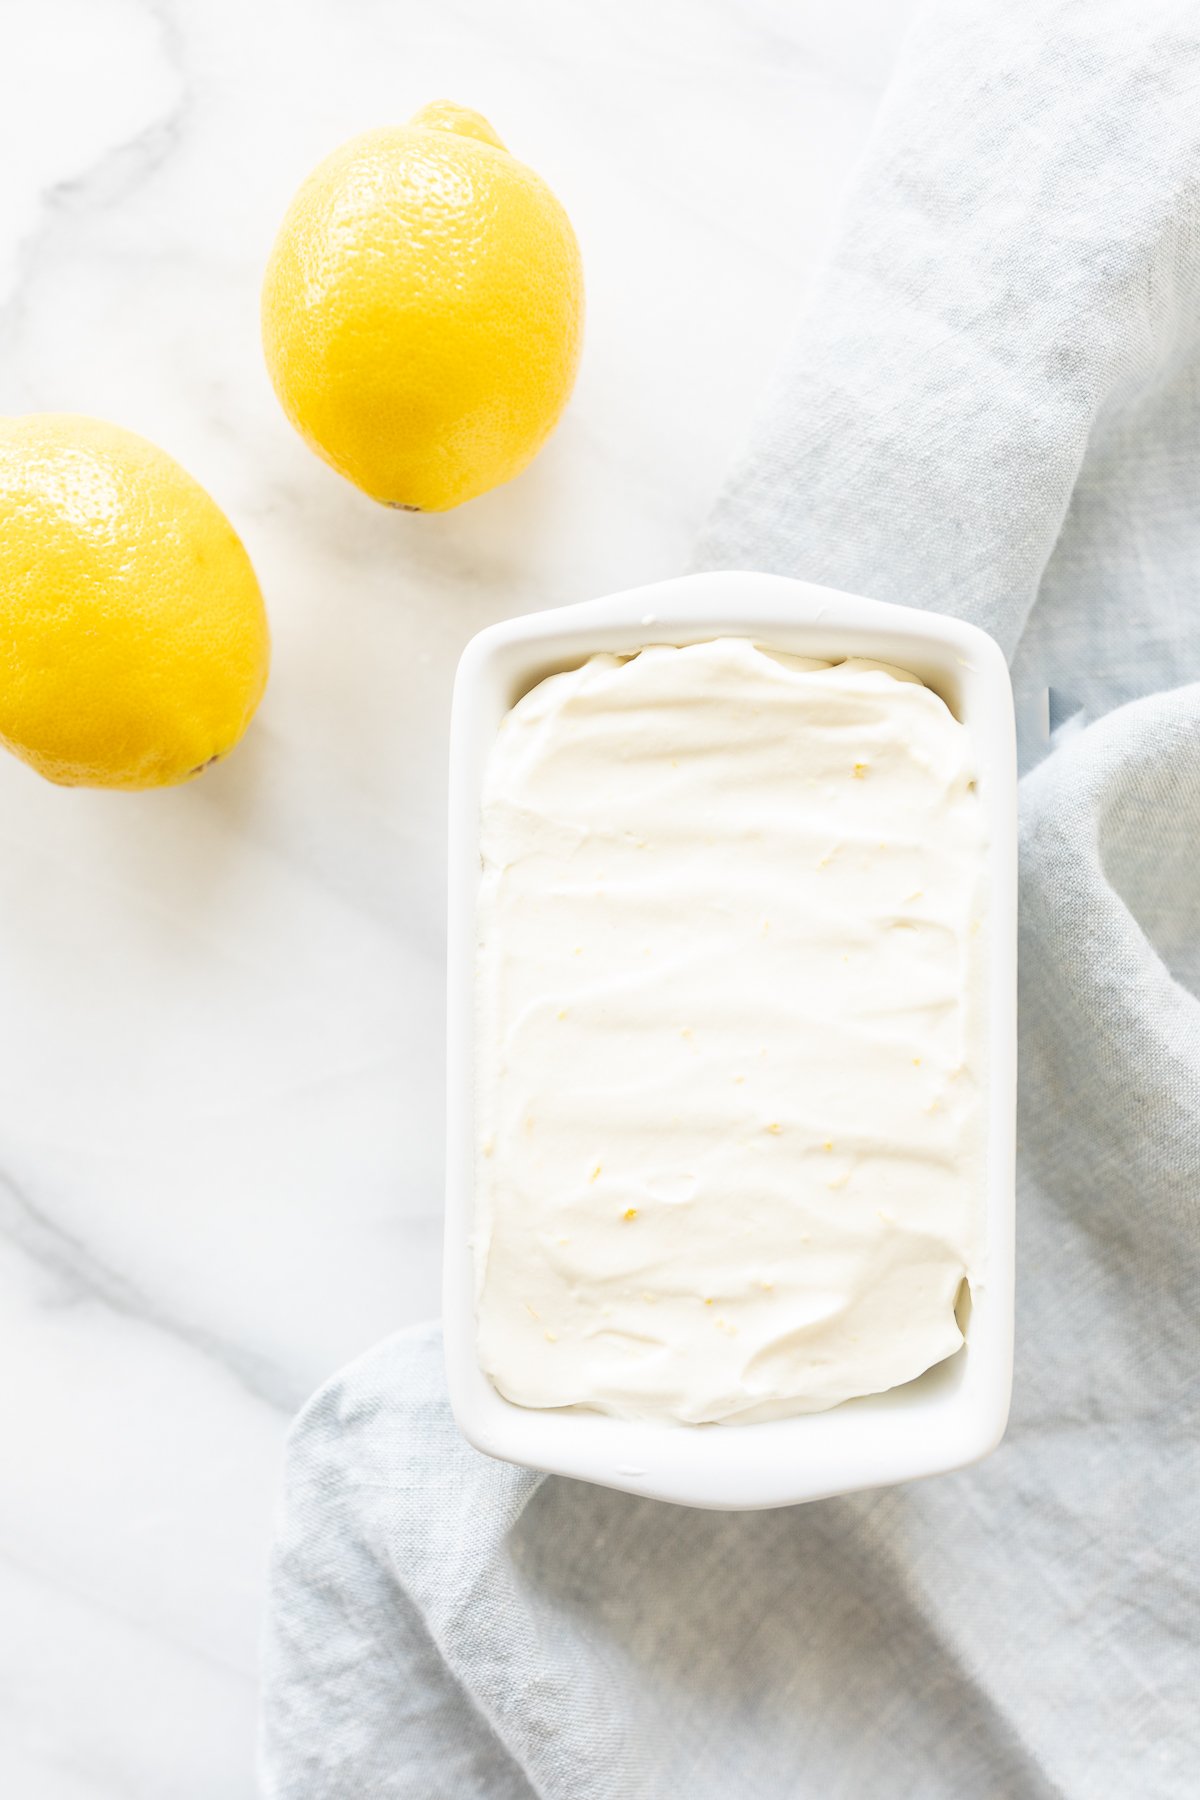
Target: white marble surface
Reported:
[(220, 1068)]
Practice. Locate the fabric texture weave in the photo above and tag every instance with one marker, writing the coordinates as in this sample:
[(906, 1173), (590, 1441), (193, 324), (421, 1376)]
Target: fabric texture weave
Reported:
[(992, 408)]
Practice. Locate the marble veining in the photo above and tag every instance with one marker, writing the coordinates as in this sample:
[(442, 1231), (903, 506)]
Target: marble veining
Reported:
[(220, 1070)]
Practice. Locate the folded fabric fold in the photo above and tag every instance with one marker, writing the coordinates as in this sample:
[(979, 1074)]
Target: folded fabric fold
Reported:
[(995, 396)]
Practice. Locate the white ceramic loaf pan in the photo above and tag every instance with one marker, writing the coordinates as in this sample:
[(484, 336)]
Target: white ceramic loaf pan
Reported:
[(953, 1414)]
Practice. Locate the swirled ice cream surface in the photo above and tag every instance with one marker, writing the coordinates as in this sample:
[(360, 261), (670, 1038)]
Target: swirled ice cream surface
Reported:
[(728, 1081)]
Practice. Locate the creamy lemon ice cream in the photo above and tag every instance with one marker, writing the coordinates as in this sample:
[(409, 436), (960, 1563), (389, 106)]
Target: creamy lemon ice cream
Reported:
[(728, 1082)]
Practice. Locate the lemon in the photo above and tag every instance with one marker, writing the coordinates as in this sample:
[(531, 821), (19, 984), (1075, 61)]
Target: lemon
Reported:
[(423, 310), (133, 640)]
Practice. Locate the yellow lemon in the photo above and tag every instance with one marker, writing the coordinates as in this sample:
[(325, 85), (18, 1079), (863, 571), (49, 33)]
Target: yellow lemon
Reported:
[(133, 640), (423, 311)]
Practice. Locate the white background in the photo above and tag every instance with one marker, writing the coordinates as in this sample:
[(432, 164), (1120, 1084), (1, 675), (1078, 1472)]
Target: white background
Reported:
[(220, 1056)]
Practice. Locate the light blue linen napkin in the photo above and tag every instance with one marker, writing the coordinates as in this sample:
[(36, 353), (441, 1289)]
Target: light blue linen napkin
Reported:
[(992, 408)]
